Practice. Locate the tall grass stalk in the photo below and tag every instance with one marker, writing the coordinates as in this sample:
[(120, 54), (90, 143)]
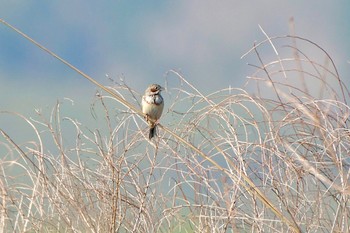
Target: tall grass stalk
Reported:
[(276, 160)]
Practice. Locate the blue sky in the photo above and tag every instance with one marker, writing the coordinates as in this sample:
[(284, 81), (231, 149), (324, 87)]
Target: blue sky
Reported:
[(141, 40)]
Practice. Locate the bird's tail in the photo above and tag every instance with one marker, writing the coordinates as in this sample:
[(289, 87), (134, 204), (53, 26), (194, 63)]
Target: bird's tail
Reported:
[(152, 132)]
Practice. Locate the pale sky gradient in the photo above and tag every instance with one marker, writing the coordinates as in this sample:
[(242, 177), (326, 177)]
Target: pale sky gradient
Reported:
[(141, 40)]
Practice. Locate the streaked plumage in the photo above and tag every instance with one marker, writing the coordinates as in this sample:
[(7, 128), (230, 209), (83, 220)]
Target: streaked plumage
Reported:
[(152, 106)]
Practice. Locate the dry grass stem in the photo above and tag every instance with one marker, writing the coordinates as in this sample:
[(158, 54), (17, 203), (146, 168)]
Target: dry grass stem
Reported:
[(276, 160)]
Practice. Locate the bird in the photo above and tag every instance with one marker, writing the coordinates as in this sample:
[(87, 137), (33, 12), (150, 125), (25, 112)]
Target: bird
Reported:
[(152, 106)]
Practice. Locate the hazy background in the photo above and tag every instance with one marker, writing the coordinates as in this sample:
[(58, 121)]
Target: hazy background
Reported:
[(141, 40)]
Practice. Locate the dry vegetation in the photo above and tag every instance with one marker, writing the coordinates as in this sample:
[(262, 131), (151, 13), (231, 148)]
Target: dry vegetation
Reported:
[(273, 161)]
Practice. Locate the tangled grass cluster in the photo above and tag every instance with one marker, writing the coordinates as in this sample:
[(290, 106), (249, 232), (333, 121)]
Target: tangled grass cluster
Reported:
[(276, 160)]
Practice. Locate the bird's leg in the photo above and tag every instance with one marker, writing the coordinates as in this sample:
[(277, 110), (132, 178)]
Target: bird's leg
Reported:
[(150, 121), (146, 117)]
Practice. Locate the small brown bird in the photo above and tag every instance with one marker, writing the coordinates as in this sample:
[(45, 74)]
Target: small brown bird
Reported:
[(152, 106)]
